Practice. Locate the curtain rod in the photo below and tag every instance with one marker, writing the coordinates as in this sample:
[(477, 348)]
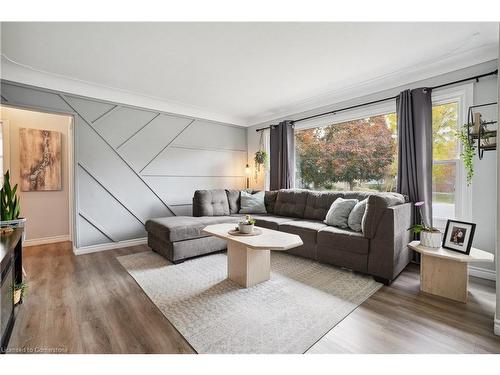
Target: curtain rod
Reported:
[(476, 78)]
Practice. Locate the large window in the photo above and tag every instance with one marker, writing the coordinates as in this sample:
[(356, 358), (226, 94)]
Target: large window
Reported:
[(358, 154), (445, 162)]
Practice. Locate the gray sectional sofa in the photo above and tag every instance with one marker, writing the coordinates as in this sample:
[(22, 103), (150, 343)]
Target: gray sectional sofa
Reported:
[(379, 250)]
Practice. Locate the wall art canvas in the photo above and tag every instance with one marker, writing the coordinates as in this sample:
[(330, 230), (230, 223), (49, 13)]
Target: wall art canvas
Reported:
[(40, 159)]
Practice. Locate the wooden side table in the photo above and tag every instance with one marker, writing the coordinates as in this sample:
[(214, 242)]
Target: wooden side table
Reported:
[(444, 272)]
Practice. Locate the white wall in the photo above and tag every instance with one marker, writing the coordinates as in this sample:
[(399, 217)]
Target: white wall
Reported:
[(47, 211), (484, 183)]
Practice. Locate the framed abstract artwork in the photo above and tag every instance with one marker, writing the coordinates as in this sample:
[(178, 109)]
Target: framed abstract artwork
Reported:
[(40, 159)]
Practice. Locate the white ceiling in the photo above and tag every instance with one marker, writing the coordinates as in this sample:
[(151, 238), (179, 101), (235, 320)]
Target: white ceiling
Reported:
[(249, 72)]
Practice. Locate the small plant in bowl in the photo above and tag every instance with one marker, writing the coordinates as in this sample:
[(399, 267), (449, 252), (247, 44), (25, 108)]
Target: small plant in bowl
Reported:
[(429, 236), (246, 226)]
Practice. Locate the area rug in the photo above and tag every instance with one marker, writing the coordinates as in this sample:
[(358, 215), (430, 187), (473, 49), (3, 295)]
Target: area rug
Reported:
[(301, 302)]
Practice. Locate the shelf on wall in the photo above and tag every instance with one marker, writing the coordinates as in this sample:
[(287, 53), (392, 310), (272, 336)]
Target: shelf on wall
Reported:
[(483, 132)]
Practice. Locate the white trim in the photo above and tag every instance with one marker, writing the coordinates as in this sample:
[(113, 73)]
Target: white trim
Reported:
[(482, 273), (109, 246), (14, 71), (46, 240), (496, 326)]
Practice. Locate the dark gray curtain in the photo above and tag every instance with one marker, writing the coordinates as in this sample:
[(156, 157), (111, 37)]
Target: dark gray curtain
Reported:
[(414, 109), (282, 156)]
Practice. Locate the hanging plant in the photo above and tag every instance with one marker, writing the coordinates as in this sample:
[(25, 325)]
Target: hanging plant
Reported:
[(261, 157), (467, 153)]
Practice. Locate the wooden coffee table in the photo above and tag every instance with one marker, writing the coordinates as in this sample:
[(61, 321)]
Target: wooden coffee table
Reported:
[(248, 257), (444, 272)]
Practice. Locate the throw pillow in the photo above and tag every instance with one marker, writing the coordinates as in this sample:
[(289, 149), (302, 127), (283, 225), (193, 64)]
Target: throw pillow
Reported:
[(356, 215), (339, 211), (252, 203)]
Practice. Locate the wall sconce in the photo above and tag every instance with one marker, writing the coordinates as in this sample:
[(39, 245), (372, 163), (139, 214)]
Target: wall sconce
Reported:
[(247, 173)]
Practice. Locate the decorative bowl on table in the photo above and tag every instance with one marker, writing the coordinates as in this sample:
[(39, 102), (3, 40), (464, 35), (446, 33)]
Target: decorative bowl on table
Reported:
[(246, 226)]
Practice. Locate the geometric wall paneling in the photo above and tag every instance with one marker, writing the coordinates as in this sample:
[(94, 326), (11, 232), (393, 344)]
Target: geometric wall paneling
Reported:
[(149, 141), (106, 166), (179, 161), (90, 109), (33, 98), (114, 142), (205, 134), (89, 234), (179, 190), (104, 210), (121, 123)]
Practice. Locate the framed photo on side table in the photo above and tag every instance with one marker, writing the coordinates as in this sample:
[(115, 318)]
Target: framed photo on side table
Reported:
[(458, 236)]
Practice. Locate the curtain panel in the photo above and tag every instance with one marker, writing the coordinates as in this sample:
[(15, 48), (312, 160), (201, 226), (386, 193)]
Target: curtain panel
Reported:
[(282, 156), (414, 110)]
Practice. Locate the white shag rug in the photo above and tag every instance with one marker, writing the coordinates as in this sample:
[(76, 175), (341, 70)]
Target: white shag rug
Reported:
[(301, 302)]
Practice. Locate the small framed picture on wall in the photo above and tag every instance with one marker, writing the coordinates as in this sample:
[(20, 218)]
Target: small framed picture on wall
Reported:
[(458, 236)]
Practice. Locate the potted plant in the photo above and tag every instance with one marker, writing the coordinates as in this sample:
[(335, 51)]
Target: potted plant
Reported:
[(246, 226), (429, 236), (19, 292), (10, 207)]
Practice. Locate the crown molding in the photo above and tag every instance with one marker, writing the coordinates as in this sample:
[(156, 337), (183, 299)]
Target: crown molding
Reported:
[(16, 72), (409, 75)]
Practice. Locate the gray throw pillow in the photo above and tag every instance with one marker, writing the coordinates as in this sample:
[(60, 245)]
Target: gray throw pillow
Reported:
[(356, 215), (339, 211), (252, 203)]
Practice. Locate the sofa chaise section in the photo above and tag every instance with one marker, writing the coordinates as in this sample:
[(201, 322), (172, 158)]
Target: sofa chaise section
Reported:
[(179, 237)]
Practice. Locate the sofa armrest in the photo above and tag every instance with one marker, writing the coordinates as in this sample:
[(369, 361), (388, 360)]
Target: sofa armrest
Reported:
[(389, 253)]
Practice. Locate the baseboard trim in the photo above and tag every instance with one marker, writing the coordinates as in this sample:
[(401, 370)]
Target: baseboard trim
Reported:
[(482, 273), (496, 326), (109, 246), (46, 240)]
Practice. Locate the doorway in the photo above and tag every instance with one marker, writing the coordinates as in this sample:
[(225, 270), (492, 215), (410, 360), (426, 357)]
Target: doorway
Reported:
[(37, 150)]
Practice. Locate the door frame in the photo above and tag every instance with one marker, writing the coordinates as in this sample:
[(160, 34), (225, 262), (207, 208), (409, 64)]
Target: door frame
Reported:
[(70, 154)]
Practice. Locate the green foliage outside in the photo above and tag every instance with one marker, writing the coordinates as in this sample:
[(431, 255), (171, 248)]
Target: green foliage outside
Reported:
[(359, 153), (362, 154)]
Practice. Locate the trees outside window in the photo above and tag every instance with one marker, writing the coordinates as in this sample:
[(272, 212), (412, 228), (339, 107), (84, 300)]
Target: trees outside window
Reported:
[(353, 155)]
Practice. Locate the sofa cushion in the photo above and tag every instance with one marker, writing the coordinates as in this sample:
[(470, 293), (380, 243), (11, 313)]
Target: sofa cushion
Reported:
[(291, 202), (270, 221), (343, 240), (338, 213), (233, 199), (270, 200), (252, 203), (311, 227), (318, 203), (356, 216), (375, 207), (180, 228), (210, 203), (307, 230)]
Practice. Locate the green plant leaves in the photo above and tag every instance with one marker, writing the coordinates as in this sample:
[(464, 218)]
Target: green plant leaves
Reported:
[(9, 201)]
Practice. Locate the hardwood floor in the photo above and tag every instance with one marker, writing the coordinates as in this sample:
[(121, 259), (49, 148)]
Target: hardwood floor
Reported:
[(90, 304)]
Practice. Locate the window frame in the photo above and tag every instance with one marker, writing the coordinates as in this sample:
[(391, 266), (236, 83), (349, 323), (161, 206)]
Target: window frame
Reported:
[(463, 95)]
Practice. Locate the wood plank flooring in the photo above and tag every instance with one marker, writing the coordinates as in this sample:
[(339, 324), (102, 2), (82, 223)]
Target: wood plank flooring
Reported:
[(90, 304)]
